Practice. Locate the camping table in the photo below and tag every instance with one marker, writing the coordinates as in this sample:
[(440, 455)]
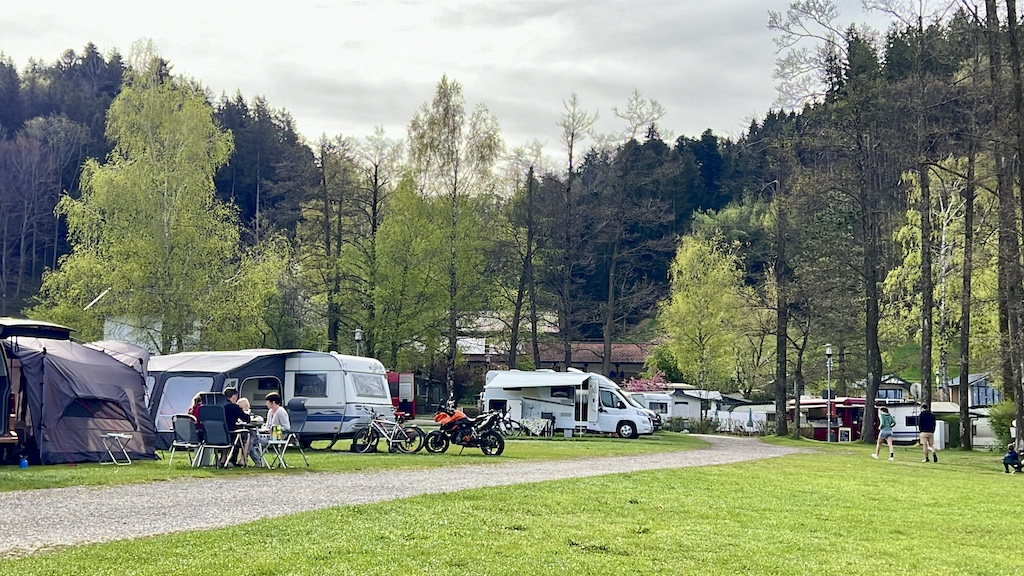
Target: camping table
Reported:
[(114, 442), (277, 448)]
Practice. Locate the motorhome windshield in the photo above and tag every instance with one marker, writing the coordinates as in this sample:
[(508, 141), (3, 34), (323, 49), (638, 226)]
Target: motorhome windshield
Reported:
[(632, 401)]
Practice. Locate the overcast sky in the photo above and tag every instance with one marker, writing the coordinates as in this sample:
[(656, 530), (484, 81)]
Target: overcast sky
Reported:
[(344, 67)]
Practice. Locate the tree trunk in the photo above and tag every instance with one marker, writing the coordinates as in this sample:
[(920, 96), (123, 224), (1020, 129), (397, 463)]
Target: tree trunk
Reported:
[(964, 389), (1018, 113)]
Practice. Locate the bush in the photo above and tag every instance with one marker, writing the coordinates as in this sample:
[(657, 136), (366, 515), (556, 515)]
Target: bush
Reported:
[(1000, 417), (691, 425), (675, 424)]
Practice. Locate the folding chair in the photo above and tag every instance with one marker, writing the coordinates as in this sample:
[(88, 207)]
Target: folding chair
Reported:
[(186, 437), (215, 431), (297, 414)]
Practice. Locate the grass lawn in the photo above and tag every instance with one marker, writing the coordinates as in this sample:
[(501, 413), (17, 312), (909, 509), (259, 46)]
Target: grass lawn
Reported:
[(833, 511), (338, 460)]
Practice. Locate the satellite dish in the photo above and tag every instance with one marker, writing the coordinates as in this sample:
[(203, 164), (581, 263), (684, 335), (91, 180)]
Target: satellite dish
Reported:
[(915, 390)]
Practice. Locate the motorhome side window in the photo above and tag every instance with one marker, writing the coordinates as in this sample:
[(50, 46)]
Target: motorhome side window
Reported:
[(561, 391), (660, 407), (371, 385), (608, 399), (311, 385)]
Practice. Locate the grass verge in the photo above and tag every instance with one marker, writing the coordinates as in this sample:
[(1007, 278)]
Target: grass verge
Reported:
[(56, 476), (834, 511)]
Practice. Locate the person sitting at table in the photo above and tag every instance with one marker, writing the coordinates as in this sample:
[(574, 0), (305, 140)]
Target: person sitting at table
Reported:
[(235, 417), (193, 411), (276, 414)]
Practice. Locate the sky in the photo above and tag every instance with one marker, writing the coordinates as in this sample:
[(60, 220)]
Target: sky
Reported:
[(344, 67)]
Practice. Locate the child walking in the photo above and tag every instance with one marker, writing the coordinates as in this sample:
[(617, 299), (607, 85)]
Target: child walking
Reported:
[(885, 426)]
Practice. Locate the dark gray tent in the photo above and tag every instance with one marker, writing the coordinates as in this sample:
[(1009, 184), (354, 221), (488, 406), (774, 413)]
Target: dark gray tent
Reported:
[(74, 395)]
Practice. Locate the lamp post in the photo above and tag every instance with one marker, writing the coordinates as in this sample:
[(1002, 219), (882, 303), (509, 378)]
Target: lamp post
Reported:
[(487, 357), (828, 392), (358, 332)]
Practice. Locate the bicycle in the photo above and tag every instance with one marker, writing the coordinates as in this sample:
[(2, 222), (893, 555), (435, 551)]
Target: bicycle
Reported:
[(509, 427), (405, 439)]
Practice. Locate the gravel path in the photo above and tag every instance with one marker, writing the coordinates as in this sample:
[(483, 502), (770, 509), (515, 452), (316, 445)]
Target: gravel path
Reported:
[(37, 520)]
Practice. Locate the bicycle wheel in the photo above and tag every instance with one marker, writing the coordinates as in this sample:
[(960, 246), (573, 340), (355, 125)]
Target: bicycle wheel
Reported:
[(511, 428), (411, 440), (366, 441)]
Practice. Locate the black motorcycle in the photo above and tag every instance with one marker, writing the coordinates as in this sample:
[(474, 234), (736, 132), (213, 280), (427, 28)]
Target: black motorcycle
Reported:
[(457, 428)]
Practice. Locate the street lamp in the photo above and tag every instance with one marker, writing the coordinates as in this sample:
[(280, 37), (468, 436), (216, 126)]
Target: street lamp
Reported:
[(359, 338), (828, 393)]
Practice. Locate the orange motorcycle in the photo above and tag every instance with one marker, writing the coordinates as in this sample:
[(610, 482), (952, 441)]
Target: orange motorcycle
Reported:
[(457, 428)]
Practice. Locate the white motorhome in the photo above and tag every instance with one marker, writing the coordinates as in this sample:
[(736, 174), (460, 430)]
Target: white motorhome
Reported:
[(570, 400), (341, 390)]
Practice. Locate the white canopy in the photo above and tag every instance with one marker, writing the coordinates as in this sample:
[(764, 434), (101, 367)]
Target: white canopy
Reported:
[(521, 379)]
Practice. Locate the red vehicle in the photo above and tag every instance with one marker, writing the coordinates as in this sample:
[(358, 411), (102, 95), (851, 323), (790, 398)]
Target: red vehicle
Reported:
[(403, 392)]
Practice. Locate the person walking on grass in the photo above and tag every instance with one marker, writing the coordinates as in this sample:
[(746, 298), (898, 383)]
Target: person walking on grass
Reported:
[(885, 425), (926, 433)]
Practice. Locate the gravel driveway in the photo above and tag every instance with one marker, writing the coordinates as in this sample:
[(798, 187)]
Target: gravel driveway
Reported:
[(36, 520)]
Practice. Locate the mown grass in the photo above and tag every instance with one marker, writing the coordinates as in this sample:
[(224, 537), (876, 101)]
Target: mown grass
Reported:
[(833, 511), (338, 460)]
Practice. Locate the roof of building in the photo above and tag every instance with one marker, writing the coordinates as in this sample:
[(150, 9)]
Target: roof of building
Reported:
[(593, 352)]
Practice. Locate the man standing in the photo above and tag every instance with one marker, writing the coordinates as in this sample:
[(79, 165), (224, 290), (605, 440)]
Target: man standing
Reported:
[(926, 432)]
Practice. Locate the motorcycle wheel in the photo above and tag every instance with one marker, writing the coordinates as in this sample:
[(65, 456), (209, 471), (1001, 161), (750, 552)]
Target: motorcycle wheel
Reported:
[(413, 442), (436, 442), (492, 444), (366, 441)]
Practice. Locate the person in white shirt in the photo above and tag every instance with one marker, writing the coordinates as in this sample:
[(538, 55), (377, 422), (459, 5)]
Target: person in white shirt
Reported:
[(276, 414)]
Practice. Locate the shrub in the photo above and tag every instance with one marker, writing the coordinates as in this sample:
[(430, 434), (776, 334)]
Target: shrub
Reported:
[(1000, 417), (675, 424)]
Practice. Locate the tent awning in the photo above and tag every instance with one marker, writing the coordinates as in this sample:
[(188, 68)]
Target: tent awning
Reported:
[(210, 362)]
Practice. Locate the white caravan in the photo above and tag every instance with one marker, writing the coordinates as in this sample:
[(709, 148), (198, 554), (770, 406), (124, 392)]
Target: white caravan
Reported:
[(570, 400), (342, 391)]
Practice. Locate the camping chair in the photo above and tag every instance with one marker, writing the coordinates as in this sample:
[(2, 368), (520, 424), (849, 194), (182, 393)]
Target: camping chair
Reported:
[(215, 431), (297, 414), (186, 437)]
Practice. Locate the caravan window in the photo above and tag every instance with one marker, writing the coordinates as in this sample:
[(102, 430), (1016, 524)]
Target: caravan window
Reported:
[(370, 385), (660, 407), (177, 397), (311, 384)]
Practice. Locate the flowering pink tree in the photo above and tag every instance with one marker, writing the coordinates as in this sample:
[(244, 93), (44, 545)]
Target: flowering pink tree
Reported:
[(656, 383)]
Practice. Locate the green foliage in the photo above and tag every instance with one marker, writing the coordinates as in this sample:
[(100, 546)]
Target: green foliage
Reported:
[(701, 317), (1000, 418), (147, 224)]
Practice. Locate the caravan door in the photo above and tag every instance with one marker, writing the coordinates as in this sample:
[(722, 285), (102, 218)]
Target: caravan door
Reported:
[(593, 406)]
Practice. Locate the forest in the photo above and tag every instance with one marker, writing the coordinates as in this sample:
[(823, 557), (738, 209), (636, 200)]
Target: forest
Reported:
[(878, 205)]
